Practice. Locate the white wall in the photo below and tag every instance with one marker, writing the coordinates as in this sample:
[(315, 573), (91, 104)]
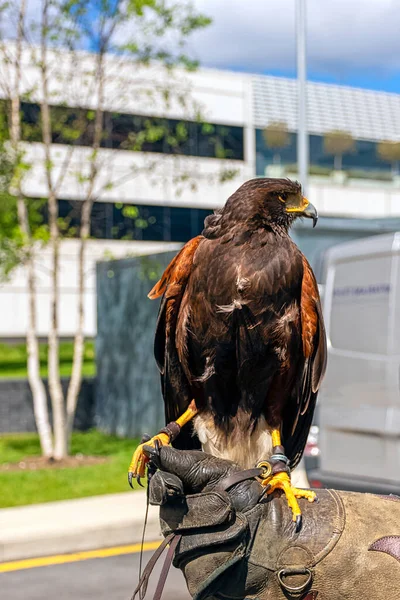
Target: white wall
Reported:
[(356, 199), (153, 182), (14, 298), (222, 96)]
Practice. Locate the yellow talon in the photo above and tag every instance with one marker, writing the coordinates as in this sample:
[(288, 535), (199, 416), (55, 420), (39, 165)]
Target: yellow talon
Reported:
[(281, 481), (137, 468)]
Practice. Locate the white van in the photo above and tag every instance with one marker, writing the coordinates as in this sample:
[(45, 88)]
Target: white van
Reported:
[(359, 403)]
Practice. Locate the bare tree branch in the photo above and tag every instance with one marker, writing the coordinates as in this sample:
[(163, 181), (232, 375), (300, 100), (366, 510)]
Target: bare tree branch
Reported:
[(32, 342), (56, 392)]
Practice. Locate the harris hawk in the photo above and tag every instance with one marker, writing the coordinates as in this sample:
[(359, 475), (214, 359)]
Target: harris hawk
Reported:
[(240, 340)]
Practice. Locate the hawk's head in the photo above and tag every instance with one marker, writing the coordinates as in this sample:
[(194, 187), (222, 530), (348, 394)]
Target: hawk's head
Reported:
[(275, 203)]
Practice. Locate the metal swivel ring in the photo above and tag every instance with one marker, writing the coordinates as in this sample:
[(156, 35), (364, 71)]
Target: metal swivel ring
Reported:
[(266, 469)]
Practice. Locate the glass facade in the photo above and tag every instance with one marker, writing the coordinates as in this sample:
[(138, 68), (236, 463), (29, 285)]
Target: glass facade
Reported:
[(364, 158), (120, 221), (117, 221), (137, 132), (171, 136)]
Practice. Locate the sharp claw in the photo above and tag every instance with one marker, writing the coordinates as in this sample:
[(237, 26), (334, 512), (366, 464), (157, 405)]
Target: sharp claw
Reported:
[(143, 454), (298, 523)]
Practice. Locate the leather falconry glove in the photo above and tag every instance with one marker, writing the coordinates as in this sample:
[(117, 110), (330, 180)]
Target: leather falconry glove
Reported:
[(232, 541)]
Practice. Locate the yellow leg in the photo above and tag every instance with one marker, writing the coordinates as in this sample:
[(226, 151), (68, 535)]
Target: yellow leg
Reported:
[(137, 468), (276, 437), (282, 482), (187, 415)]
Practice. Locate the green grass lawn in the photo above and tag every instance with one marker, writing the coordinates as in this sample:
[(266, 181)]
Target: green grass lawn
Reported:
[(13, 359), (46, 485)]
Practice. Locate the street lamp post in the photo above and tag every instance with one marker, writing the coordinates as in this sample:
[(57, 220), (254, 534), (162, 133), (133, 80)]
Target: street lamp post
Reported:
[(302, 134)]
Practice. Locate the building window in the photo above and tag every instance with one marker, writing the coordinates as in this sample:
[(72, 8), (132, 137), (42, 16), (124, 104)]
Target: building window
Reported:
[(137, 133), (265, 155), (118, 221), (363, 158)]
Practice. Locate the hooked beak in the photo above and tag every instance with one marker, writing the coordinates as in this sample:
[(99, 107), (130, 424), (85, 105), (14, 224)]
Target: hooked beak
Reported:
[(311, 213), (305, 209)]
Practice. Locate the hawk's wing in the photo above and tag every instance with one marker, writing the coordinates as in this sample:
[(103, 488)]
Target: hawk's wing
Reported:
[(175, 386), (299, 414)]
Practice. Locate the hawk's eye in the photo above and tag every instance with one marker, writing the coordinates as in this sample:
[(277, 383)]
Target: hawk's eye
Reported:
[(283, 197)]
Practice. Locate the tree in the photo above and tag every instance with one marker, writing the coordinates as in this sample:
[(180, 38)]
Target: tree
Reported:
[(390, 152), (11, 83), (277, 137), (338, 143), (61, 29)]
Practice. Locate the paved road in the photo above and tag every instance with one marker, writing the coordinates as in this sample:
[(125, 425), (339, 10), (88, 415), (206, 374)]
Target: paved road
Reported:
[(111, 578)]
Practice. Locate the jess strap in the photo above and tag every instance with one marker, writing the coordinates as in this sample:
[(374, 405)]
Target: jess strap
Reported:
[(141, 589)]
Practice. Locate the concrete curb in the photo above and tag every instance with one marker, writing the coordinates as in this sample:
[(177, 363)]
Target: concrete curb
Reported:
[(75, 525)]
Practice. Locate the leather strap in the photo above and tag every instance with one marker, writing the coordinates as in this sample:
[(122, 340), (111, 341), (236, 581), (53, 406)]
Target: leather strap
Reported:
[(172, 429), (141, 588), (236, 478), (311, 595), (166, 567)]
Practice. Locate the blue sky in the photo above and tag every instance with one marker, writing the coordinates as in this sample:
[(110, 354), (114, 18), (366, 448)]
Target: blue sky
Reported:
[(350, 42)]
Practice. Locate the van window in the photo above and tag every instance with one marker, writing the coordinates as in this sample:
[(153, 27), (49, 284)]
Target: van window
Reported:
[(360, 305)]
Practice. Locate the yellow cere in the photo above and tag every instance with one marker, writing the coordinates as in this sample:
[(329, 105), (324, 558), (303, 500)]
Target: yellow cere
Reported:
[(300, 208)]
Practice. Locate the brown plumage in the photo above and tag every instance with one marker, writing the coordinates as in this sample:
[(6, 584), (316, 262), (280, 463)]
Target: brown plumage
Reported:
[(240, 328)]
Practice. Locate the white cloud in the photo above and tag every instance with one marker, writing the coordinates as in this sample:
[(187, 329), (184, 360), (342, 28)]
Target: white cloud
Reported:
[(259, 35), (345, 37)]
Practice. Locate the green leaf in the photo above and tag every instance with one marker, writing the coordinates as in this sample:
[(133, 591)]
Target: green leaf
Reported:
[(131, 212), (207, 128), (181, 131), (141, 223)]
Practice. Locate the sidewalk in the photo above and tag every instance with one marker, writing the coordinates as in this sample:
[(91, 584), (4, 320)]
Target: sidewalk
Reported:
[(75, 525)]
